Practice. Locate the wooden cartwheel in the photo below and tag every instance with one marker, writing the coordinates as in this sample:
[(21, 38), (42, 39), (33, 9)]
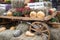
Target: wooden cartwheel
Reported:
[(41, 28)]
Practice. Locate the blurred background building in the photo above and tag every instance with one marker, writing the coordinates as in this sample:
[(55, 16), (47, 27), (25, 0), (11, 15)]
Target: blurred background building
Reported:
[(55, 3)]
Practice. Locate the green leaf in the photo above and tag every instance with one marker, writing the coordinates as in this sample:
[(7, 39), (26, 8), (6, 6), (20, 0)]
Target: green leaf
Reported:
[(53, 20)]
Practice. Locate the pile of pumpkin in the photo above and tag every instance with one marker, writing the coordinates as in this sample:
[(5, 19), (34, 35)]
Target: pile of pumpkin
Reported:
[(26, 11)]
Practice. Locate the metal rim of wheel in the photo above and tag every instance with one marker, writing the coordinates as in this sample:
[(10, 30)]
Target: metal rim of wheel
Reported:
[(43, 28)]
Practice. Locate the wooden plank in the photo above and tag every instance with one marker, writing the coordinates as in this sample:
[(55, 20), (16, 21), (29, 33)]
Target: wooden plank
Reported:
[(20, 18), (4, 23), (54, 23)]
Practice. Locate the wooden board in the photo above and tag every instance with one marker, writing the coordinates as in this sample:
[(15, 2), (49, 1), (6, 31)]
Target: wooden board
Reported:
[(21, 18), (54, 23)]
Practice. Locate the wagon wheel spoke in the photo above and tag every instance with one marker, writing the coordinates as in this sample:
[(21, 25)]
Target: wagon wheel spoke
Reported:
[(44, 31), (33, 29), (42, 28)]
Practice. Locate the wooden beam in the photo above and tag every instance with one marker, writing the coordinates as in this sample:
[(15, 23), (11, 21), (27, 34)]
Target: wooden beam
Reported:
[(21, 18)]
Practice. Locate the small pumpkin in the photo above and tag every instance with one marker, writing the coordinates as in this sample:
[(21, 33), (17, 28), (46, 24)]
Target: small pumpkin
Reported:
[(28, 33), (41, 15), (33, 14), (12, 28), (9, 13), (2, 29)]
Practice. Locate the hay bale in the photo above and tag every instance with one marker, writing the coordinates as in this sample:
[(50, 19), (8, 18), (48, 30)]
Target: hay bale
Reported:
[(23, 27), (8, 34), (55, 33), (24, 37)]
